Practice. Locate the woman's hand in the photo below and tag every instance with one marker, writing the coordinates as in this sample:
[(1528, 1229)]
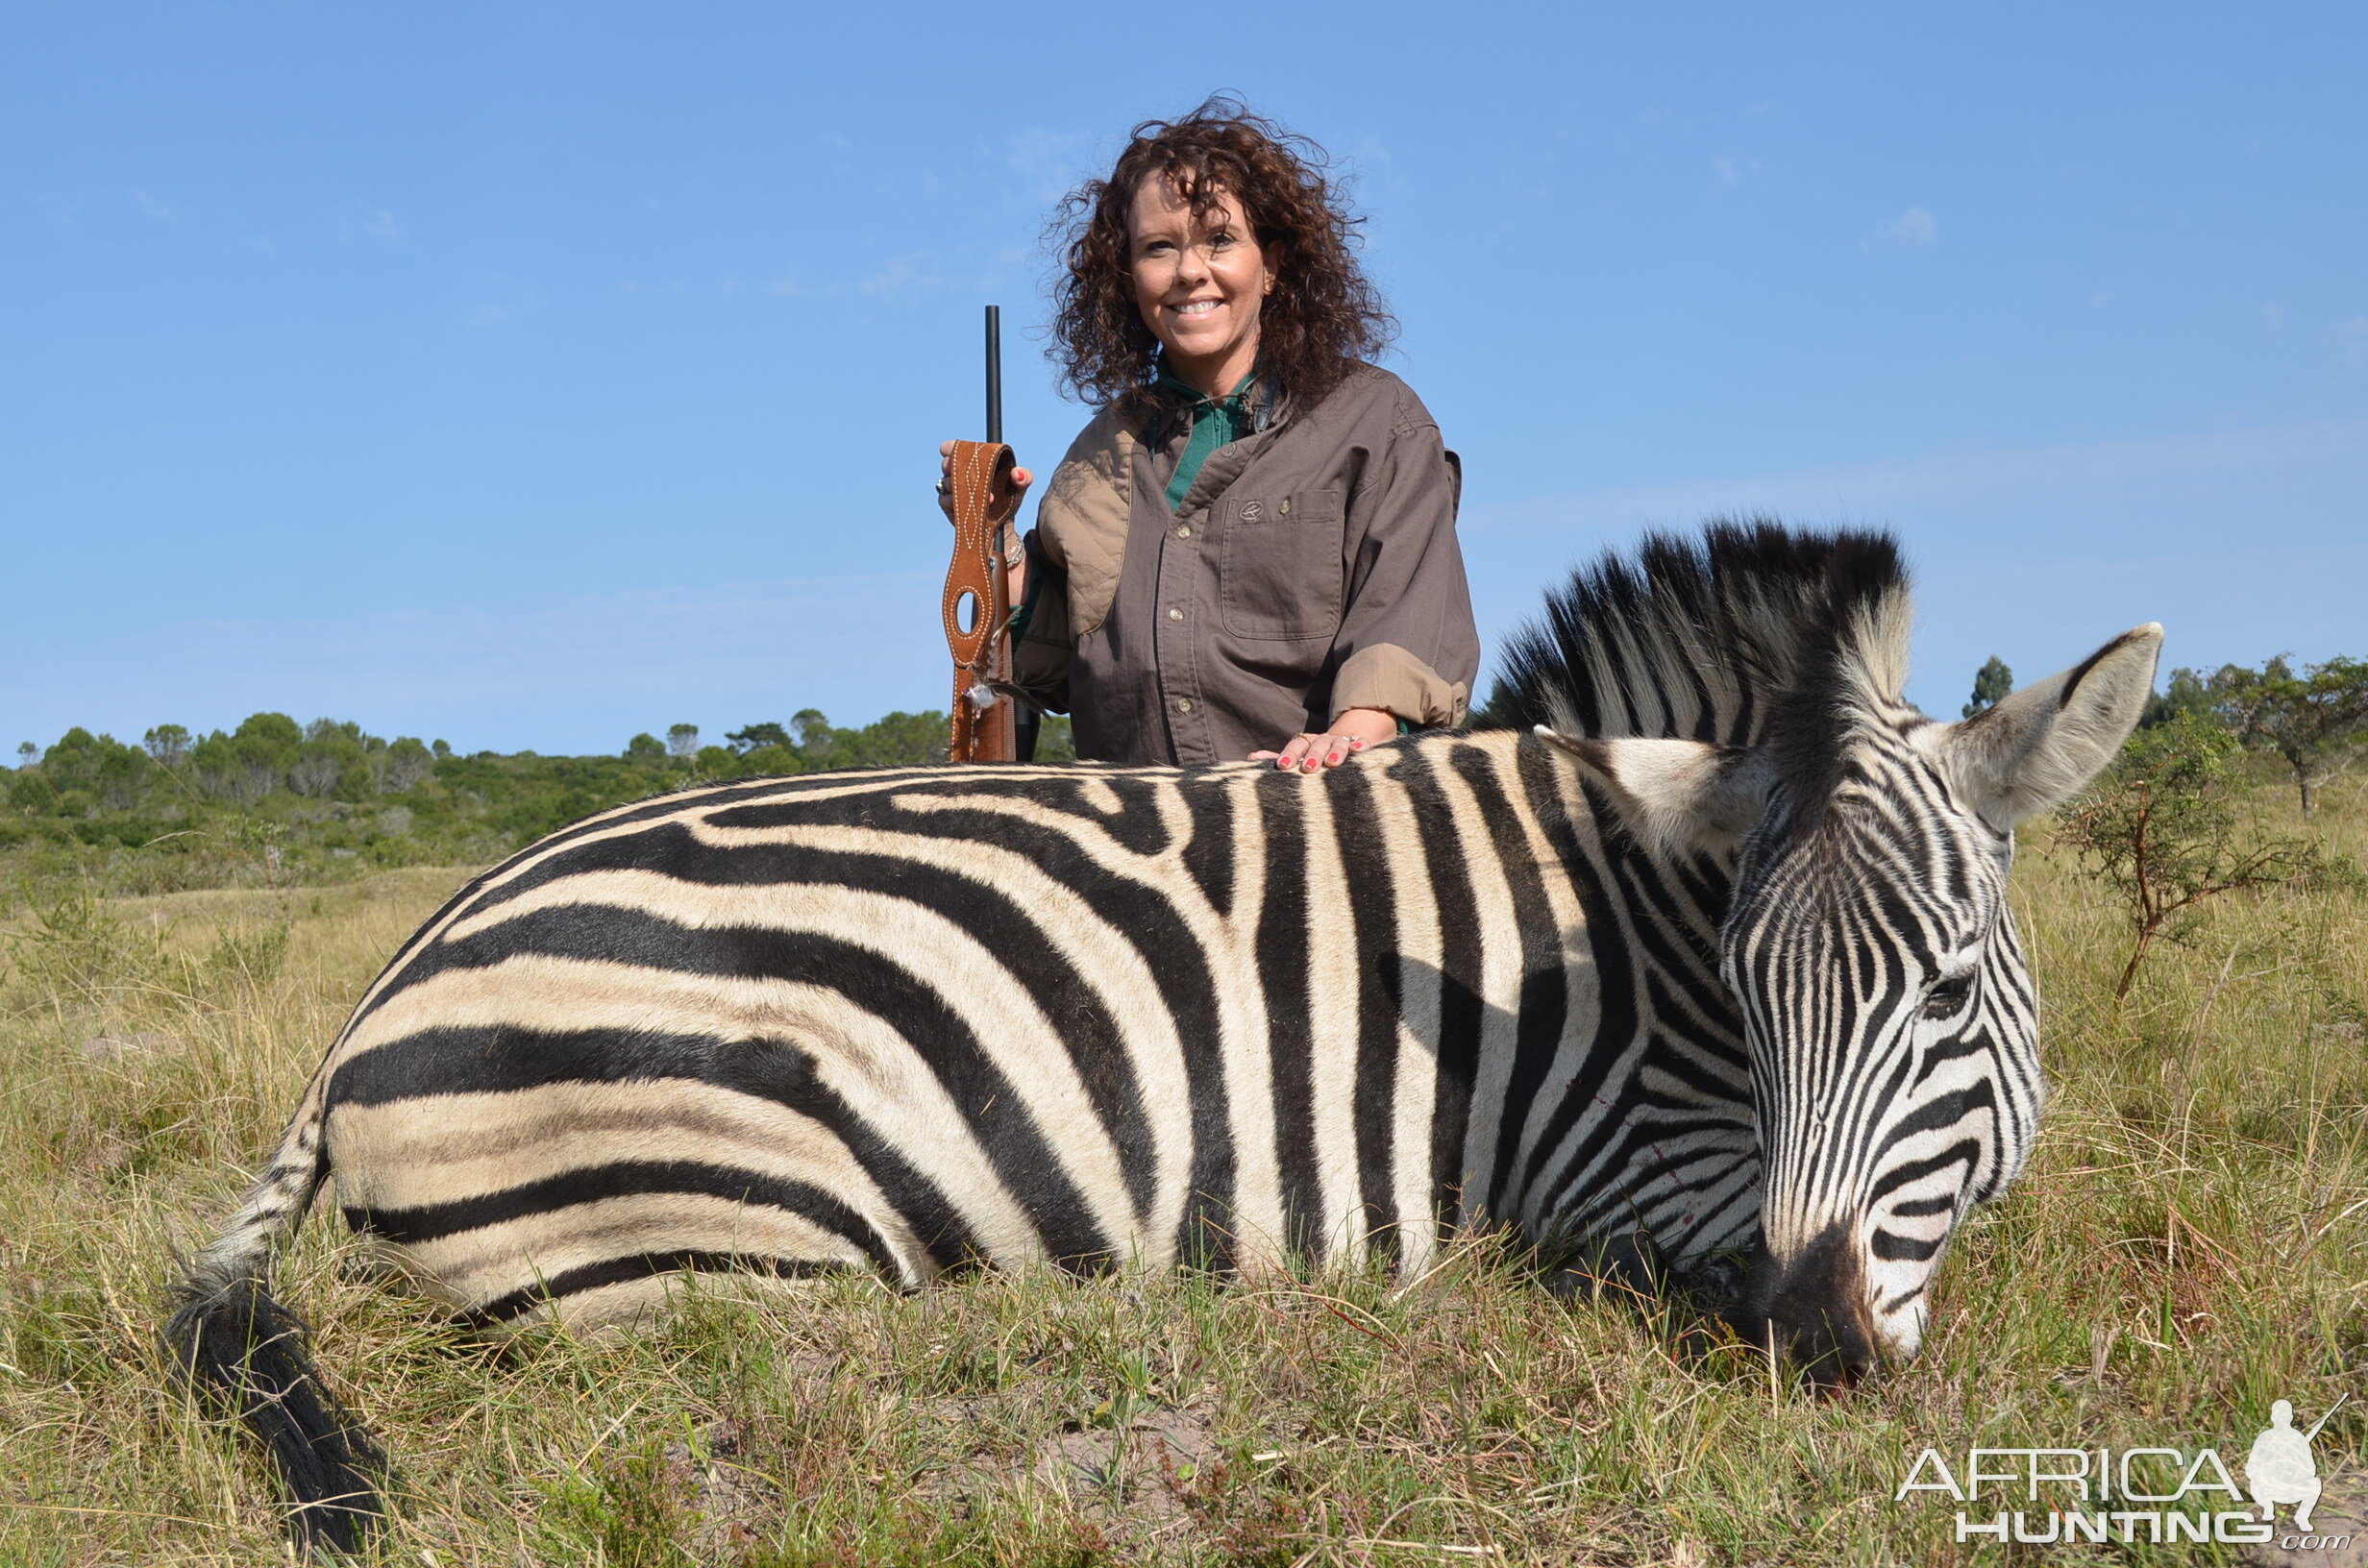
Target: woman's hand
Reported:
[(1015, 571), (1020, 479), (1356, 729)]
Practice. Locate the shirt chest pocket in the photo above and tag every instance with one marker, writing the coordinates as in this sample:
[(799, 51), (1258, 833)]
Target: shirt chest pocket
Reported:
[(1280, 569)]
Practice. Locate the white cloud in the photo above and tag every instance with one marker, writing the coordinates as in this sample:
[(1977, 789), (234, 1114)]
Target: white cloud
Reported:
[(152, 207), (1913, 227), (382, 227), (1731, 170), (2273, 315)]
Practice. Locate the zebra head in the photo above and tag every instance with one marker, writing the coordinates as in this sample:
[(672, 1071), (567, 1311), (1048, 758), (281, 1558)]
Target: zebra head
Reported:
[(1867, 943)]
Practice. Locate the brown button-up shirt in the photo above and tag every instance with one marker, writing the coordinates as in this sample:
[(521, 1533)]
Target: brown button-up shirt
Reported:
[(1311, 568)]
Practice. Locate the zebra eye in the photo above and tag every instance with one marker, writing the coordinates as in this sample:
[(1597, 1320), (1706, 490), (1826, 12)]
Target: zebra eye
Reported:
[(1948, 997)]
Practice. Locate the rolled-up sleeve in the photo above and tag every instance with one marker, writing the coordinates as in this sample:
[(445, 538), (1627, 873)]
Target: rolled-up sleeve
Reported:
[(1407, 643)]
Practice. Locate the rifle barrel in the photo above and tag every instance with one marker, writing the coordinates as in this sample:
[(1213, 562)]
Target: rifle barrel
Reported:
[(994, 373)]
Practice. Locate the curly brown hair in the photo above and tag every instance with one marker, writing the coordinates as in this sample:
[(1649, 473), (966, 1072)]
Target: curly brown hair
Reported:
[(1325, 314)]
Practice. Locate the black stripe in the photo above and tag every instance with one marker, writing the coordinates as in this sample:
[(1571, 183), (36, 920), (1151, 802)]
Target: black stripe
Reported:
[(1208, 854), (1282, 949), (1138, 825), (1966, 1152), (1462, 1009), (1921, 1208), (640, 1265), (1901, 1249), (627, 1178), (1940, 1115), (1616, 1021), (1372, 907), (1538, 1024)]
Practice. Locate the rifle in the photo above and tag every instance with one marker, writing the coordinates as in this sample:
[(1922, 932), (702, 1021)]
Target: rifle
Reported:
[(988, 726)]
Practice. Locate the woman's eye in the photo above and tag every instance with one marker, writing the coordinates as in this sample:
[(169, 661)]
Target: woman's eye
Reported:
[(1948, 997)]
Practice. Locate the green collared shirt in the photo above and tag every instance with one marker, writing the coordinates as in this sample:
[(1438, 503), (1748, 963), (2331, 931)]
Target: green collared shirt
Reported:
[(1216, 422)]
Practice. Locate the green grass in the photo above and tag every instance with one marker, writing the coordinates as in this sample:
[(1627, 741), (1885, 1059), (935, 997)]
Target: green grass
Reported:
[(2190, 1242)]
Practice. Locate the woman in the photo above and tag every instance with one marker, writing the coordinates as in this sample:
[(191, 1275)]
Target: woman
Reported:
[(1250, 551)]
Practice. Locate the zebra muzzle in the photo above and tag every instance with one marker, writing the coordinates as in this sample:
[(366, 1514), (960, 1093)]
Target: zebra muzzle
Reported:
[(1813, 1307)]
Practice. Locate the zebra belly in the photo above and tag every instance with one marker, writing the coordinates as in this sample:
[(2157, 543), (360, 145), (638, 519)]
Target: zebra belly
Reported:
[(579, 1194), (581, 1201)]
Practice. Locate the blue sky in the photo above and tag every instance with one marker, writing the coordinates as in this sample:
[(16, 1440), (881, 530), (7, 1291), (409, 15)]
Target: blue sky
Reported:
[(529, 375)]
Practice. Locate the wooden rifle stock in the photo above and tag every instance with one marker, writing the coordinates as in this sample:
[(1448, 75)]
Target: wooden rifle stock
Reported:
[(988, 725), (976, 594)]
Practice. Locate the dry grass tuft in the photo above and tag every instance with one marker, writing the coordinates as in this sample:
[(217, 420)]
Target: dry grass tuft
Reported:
[(2190, 1243)]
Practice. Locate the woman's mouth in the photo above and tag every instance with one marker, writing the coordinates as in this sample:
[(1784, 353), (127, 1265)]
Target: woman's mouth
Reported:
[(1198, 308)]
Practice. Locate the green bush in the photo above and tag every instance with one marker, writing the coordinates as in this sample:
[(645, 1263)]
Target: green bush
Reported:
[(2170, 825)]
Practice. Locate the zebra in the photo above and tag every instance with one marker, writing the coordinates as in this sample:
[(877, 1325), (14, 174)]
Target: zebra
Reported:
[(1700, 952)]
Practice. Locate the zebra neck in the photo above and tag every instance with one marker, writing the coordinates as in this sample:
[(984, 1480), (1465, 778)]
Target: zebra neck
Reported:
[(1590, 1076)]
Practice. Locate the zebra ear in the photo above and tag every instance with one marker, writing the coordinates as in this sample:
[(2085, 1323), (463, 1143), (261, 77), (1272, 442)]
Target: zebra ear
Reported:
[(2037, 747), (1677, 798)]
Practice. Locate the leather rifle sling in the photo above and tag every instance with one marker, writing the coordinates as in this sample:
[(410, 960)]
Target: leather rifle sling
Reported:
[(984, 504)]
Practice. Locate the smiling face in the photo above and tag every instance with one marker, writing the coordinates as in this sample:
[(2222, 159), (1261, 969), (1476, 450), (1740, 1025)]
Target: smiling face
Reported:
[(1200, 282)]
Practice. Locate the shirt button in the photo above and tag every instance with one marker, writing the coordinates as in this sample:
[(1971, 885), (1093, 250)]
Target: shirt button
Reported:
[(1175, 614), (1185, 531), (1183, 704), (1284, 509)]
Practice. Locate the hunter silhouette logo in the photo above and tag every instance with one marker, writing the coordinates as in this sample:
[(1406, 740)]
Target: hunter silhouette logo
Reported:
[(2279, 1468), (2156, 1496)]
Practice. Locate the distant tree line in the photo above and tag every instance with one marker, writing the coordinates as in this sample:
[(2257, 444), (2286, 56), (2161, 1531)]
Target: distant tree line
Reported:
[(275, 801)]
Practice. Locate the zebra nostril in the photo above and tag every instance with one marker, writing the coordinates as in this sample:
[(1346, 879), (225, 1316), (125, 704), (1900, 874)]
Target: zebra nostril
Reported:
[(1812, 1307)]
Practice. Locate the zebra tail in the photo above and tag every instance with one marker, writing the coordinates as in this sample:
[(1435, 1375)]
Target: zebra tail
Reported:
[(245, 1353)]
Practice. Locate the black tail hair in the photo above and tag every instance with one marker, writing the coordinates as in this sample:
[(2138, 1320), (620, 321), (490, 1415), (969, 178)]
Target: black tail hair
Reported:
[(245, 1352)]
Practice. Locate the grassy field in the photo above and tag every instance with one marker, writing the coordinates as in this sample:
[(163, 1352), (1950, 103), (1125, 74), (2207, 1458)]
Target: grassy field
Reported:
[(2190, 1243)]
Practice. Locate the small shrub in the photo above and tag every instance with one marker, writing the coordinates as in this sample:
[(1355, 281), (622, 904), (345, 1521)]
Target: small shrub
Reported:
[(2165, 831)]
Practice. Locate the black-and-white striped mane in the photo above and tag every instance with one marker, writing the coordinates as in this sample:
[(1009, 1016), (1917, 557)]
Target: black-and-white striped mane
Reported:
[(1748, 633)]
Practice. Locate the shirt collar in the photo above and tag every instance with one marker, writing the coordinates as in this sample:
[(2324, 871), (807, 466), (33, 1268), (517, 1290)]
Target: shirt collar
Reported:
[(1251, 400)]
